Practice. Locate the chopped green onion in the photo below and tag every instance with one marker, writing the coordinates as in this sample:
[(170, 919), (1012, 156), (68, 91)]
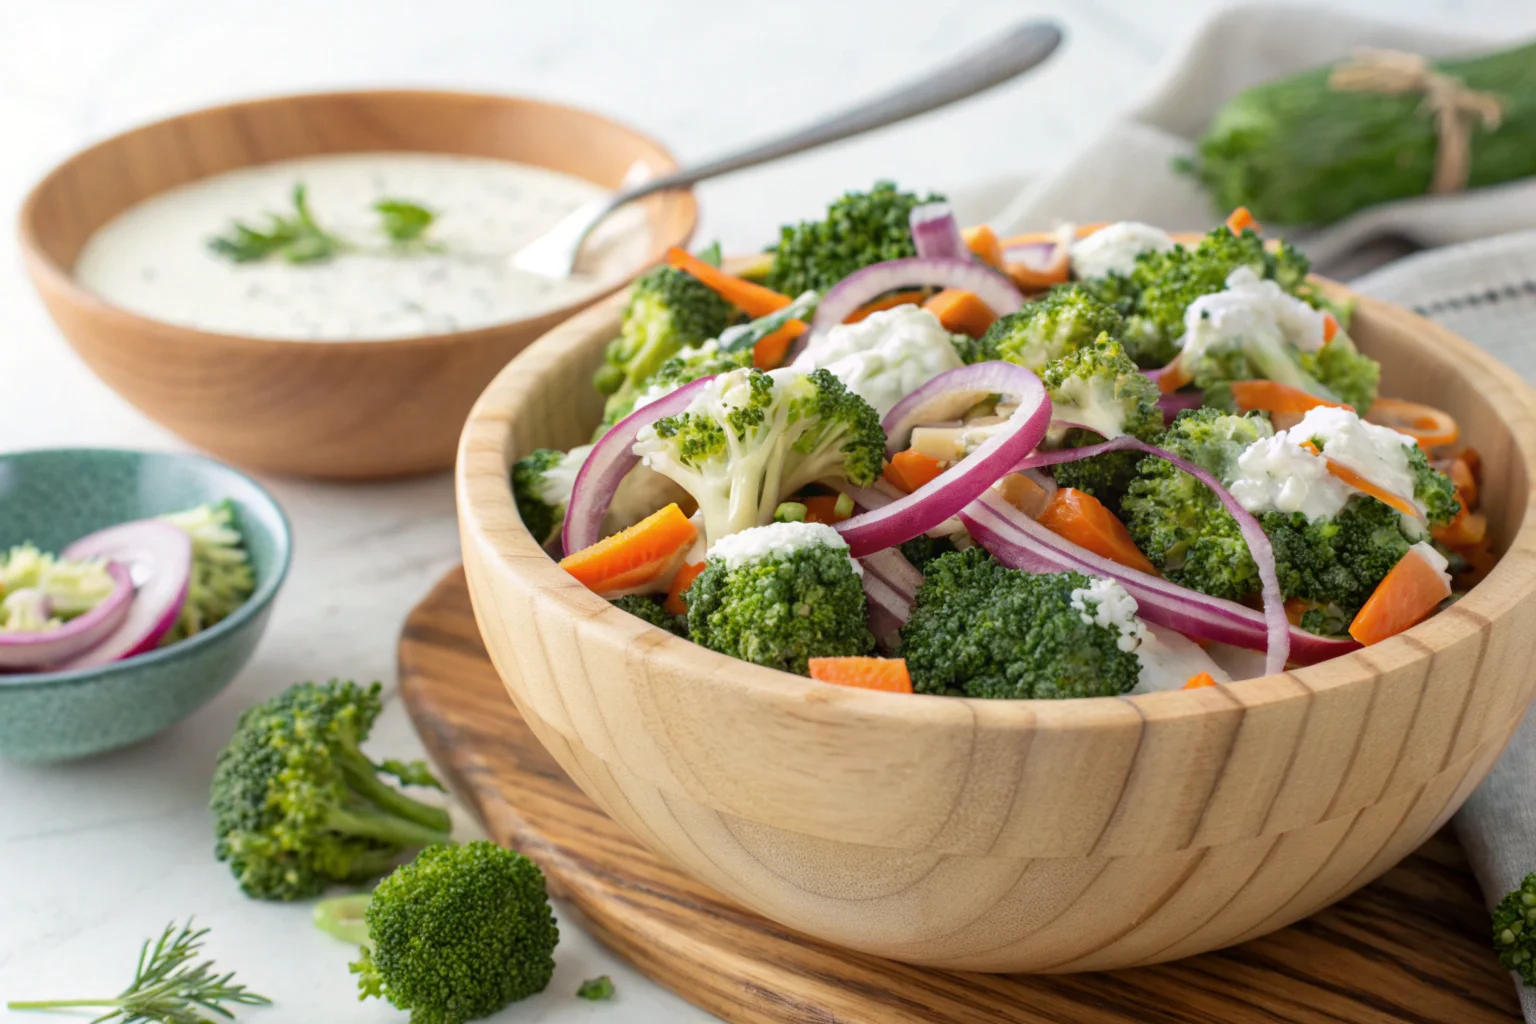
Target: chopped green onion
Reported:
[(790, 512)]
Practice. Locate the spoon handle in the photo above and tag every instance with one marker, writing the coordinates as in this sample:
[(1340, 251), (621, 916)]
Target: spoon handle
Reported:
[(1001, 59)]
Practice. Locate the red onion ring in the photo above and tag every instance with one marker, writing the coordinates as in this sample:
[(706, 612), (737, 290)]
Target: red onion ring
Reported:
[(890, 583), (868, 284), (75, 637), (158, 557), (609, 462), (941, 498), (1034, 255), (936, 233)]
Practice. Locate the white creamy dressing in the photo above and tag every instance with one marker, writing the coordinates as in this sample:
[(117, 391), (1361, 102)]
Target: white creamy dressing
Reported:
[(1113, 249), (1165, 659), (1378, 453), (886, 356), (154, 258), (776, 540), (1249, 309), (1106, 604)]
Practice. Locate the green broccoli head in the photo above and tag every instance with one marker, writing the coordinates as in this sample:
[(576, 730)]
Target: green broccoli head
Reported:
[(1432, 489), (749, 439), (1064, 321), (534, 486), (779, 595), (923, 549), (1514, 930), (980, 629), (860, 228), (1336, 560), (668, 310), (1100, 388), (649, 607), (1178, 522), (297, 805), (459, 933), (687, 366), (1341, 368), (222, 576)]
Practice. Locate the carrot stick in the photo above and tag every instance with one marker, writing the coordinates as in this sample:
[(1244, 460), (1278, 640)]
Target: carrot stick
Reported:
[(1239, 219), (1082, 519), (1330, 328), (1424, 423), (1461, 475), (910, 469), (822, 508), (891, 301), (752, 299), (983, 242), (680, 584), (1270, 396), (1405, 597), (961, 312), (769, 352), (641, 554), (888, 674), (1024, 494), (1467, 530), (1198, 680)]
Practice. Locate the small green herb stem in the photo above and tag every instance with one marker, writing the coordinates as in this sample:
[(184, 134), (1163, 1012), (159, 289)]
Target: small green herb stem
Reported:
[(60, 1004)]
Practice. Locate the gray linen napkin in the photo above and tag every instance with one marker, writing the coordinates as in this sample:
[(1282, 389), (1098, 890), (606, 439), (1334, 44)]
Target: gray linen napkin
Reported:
[(1486, 292)]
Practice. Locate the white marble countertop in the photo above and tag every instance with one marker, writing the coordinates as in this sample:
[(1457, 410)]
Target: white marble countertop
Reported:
[(98, 854)]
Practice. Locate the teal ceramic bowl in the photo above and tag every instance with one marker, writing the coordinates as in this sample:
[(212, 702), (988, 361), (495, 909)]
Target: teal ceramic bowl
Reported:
[(55, 496)]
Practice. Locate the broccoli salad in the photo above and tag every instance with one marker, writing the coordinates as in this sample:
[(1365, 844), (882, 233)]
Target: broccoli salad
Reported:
[(898, 455)]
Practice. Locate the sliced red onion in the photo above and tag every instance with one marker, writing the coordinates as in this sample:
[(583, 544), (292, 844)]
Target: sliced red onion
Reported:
[(609, 462), (1039, 255), (1178, 401), (864, 286), (892, 567), (936, 233), (914, 514), (75, 637), (158, 558), (890, 583)]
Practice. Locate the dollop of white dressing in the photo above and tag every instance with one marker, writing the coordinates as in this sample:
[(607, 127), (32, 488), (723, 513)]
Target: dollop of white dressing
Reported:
[(1276, 474), (776, 540), (1378, 453), (1250, 307), (1106, 604), (1169, 658), (886, 356), (1113, 249)]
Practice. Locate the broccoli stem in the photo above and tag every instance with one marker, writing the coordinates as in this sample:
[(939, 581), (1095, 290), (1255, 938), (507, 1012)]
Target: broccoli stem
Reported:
[(361, 776), (369, 823)]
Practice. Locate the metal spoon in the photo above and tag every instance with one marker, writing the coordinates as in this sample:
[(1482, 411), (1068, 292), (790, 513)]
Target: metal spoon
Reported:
[(554, 253)]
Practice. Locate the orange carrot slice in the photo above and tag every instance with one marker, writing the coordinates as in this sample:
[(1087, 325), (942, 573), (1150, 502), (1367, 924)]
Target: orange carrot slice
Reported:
[(1035, 279), (888, 674), (1024, 494), (752, 299), (769, 352), (1405, 597), (910, 469), (822, 508), (1353, 479), (1271, 396), (983, 242), (1460, 472), (1424, 423), (641, 554), (1198, 680), (1239, 219), (1082, 519), (891, 301), (680, 584), (1467, 530), (961, 312), (1173, 377), (1330, 328)]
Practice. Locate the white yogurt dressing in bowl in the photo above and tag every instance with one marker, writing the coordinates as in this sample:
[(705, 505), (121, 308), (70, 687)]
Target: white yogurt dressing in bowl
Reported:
[(154, 259)]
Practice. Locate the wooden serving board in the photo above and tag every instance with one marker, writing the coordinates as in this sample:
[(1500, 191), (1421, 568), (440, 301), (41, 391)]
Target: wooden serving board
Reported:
[(1412, 947)]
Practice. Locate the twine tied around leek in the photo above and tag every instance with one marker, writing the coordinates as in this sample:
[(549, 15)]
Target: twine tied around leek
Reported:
[(1454, 107)]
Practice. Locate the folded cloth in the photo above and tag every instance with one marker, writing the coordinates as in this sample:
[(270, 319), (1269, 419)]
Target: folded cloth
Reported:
[(1127, 172), (1486, 292)]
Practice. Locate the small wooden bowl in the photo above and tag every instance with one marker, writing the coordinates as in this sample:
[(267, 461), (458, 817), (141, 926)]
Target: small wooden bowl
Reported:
[(1012, 835), (328, 409)]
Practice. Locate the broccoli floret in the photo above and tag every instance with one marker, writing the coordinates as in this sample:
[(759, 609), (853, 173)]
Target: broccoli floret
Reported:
[(980, 629), (1178, 522), (750, 439), (1064, 321), (1431, 488), (668, 310), (541, 490), (649, 607), (455, 935), (779, 595), (687, 366), (1514, 930), (598, 988), (297, 805), (1100, 388), (1341, 368), (1335, 560), (923, 549), (222, 576), (860, 228)]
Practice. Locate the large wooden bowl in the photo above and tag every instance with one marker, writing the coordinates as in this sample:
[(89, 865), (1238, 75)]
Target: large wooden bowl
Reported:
[(329, 409), (1012, 835)]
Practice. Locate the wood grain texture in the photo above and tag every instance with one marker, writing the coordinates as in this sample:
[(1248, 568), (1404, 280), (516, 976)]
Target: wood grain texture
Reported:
[(353, 410), (1411, 947), (1011, 835)]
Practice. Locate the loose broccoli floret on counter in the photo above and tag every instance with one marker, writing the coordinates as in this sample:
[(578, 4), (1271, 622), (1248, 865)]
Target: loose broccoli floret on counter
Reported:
[(668, 311), (297, 805), (687, 366), (1341, 368), (598, 988), (980, 629), (779, 595), (750, 439), (1100, 388), (1064, 321), (222, 576), (649, 607), (860, 228), (1178, 523), (455, 935), (1514, 930)]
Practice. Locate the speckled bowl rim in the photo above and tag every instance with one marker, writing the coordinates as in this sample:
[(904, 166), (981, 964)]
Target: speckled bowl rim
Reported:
[(266, 588)]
